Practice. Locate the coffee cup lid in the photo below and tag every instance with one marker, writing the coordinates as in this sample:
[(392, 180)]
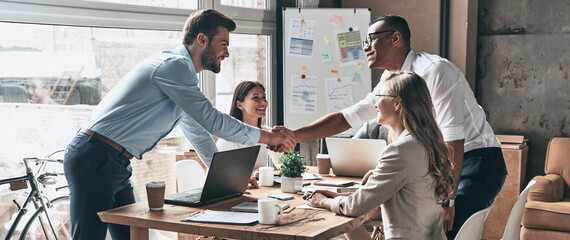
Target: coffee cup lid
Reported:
[(320, 155), (156, 184)]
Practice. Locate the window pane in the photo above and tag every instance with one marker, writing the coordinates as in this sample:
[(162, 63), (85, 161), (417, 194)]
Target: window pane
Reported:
[(71, 65), (248, 61), (184, 4), (67, 69), (261, 4)]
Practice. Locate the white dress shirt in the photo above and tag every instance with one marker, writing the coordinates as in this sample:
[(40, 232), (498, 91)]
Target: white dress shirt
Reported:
[(457, 112)]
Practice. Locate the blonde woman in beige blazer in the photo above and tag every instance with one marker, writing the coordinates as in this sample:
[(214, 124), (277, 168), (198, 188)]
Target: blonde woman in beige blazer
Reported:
[(413, 176)]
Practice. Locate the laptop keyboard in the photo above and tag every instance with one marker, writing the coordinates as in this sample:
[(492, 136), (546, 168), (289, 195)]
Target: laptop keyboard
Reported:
[(190, 198)]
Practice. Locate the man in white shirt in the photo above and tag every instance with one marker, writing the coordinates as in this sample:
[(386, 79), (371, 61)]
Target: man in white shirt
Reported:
[(476, 153)]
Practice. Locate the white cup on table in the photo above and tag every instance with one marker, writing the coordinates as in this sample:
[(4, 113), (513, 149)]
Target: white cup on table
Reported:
[(268, 210), (266, 176)]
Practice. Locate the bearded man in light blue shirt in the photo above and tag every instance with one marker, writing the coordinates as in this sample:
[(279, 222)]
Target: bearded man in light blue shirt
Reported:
[(158, 94)]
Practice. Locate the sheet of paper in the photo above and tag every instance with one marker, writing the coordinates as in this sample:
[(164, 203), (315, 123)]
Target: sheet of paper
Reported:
[(303, 94), (349, 46), (305, 206), (339, 93), (302, 37)]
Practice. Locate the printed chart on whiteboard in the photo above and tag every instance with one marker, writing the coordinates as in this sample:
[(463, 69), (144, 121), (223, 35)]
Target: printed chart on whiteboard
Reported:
[(349, 46), (339, 93), (302, 37), (303, 94)]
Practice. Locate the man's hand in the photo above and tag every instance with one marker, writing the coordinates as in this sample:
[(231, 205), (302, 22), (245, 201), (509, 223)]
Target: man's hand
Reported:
[(279, 139), (448, 215)]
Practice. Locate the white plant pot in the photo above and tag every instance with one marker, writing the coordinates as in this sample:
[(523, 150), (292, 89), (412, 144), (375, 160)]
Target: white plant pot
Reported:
[(291, 185)]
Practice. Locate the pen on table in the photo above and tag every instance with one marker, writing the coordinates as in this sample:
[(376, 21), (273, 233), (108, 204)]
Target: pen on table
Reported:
[(306, 195)]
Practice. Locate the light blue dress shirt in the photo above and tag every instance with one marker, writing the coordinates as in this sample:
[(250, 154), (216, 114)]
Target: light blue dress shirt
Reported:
[(159, 93)]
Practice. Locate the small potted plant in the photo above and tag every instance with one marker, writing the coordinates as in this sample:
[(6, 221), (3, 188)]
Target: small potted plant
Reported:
[(292, 168)]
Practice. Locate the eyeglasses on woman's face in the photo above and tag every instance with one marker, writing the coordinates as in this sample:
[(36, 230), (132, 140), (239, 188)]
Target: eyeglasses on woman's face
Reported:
[(380, 96), (366, 43)]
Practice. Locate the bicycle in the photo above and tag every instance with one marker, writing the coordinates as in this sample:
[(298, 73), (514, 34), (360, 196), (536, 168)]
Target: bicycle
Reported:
[(50, 218)]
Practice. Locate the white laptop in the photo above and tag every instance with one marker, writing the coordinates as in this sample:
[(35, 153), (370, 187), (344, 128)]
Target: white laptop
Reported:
[(354, 157)]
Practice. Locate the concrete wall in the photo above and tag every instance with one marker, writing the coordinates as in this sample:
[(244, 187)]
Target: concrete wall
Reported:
[(522, 71)]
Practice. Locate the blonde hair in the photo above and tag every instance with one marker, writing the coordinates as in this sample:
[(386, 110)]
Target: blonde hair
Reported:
[(417, 117)]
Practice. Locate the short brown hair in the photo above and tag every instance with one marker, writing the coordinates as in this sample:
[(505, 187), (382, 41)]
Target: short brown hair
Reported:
[(205, 21)]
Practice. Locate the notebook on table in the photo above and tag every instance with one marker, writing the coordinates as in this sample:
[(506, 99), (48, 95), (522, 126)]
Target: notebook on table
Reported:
[(354, 157), (227, 177)]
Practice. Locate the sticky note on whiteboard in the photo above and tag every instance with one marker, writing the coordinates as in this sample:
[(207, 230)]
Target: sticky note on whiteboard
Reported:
[(326, 56), (356, 78), (336, 19)]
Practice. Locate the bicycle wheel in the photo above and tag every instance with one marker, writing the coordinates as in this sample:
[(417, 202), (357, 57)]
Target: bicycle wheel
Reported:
[(59, 215)]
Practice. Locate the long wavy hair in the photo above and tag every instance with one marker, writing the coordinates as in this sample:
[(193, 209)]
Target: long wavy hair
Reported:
[(240, 92), (418, 118)]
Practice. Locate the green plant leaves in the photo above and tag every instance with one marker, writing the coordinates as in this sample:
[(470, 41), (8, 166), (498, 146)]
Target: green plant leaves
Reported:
[(292, 164)]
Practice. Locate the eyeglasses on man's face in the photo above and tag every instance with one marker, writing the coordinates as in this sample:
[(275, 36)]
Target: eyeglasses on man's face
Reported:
[(369, 38)]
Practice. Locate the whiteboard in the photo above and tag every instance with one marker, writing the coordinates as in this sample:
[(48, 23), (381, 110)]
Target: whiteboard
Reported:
[(325, 69)]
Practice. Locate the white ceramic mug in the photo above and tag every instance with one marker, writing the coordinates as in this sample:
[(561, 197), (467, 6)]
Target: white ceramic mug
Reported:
[(268, 209), (266, 176)]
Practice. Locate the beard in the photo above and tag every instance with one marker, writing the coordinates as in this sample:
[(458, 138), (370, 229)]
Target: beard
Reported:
[(209, 60)]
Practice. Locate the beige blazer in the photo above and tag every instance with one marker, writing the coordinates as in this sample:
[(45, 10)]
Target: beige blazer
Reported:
[(401, 187)]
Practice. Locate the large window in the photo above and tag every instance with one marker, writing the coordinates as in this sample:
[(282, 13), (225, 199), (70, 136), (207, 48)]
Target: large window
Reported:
[(60, 57)]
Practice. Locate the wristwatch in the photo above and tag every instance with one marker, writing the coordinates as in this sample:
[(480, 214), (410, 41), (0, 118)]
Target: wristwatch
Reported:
[(449, 203)]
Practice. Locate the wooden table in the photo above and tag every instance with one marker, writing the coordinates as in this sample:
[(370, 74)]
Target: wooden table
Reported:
[(298, 224)]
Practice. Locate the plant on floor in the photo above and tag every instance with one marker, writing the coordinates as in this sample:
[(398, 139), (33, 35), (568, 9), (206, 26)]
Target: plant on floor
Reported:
[(292, 165)]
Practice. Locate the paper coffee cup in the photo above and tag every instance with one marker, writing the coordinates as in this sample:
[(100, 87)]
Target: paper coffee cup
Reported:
[(323, 163), (155, 195)]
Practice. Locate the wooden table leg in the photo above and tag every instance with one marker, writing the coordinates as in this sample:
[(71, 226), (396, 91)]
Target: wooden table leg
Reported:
[(138, 233)]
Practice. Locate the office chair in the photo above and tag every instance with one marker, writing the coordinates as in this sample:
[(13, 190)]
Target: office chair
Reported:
[(473, 227), (513, 227), (189, 175)]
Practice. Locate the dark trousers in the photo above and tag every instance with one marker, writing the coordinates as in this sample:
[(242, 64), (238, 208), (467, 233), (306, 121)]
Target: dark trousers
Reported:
[(482, 178), (98, 178)]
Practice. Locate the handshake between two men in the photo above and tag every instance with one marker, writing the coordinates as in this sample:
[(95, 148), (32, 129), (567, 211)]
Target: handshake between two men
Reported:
[(278, 139)]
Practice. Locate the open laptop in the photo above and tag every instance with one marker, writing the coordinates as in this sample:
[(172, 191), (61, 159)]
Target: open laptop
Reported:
[(354, 157), (227, 178)]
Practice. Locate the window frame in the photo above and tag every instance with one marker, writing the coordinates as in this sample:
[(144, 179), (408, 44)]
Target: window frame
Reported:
[(114, 15)]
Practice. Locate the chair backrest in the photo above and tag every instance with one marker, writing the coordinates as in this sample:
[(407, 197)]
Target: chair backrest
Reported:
[(189, 175), (473, 227), (513, 227), (558, 160)]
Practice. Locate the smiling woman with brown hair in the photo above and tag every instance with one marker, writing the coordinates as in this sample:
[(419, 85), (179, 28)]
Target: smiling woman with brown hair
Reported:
[(413, 176)]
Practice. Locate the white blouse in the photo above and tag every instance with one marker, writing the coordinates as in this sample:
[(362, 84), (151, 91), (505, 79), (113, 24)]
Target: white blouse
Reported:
[(224, 145)]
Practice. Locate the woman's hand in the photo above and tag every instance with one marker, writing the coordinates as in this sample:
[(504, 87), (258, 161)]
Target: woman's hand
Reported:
[(252, 183), (326, 193), (365, 178), (319, 200)]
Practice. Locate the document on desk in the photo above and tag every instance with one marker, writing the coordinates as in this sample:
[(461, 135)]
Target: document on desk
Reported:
[(305, 206), (226, 217)]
